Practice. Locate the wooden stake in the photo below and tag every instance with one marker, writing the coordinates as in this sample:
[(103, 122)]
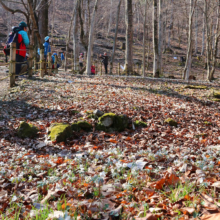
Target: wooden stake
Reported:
[(42, 63), (30, 61), (55, 65), (12, 66), (49, 63)]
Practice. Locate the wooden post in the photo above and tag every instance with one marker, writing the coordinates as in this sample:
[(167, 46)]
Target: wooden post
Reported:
[(101, 68), (119, 69), (35, 64), (30, 61), (49, 63), (138, 68), (55, 64), (73, 64), (42, 63), (12, 66)]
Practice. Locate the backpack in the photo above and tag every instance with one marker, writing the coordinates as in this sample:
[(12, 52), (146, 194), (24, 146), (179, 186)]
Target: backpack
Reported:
[(12, 38)]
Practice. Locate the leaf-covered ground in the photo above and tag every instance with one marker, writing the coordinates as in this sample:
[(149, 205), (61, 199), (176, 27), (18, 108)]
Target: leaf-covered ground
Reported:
[(156, 172)]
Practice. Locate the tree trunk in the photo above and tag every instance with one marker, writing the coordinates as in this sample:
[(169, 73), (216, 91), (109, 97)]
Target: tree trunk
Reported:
[(215, 48), (188, 64), (196, 27), (43, 19), (171, 24), (88, 64), (110, 18), (160, 40), (129, 37), (115, 38), (75, 36), (156, 70), (203, 31), (144, 38)]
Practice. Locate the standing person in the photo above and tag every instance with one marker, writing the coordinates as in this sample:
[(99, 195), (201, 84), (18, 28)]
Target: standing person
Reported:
[(81, 61), (105, 61), (62, 59), (23, 42), (47, 50)]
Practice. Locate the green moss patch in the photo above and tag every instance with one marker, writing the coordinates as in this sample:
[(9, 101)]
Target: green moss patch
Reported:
[(216, 94), (81, 125), (215, 100), (59, 132), (195, 87), (201, 135), (171, 122), (112, 122), (140, 124), (74, 112), (207, 123), (26, 130)]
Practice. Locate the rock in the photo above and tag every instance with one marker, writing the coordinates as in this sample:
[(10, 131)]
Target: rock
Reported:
[(81, 125), (140, 124), (59, 132), (98, 113), (112, 122), (26, 130), (171, 122)]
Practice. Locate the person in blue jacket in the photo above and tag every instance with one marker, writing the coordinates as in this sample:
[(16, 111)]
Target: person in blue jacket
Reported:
[(62, 59), (53, 60), (47, 48)]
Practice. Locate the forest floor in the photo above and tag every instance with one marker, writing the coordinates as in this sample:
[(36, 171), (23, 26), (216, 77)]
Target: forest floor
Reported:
[(154, 172)]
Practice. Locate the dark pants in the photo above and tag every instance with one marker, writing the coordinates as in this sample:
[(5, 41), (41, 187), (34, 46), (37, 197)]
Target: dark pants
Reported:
[(18, 65), (106, 68)]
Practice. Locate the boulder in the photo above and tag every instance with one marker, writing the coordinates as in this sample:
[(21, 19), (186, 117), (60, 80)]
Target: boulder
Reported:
[(98, 113), (26, 130), (112, 122), (81, 125), (59, 132)]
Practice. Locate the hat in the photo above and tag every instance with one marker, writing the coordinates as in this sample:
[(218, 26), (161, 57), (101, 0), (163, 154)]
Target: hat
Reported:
[(46, 38), (22, 24), (54, 54)]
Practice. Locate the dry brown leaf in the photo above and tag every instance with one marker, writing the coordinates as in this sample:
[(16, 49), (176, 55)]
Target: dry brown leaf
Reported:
[(211, 217), (147, 217), (187, 210)]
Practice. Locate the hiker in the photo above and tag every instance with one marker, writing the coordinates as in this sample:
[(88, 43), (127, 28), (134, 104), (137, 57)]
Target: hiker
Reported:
[(23, 42), (105, 61), (46, 45), (81, 61), (92, 70), (62, 59), (53, 61)]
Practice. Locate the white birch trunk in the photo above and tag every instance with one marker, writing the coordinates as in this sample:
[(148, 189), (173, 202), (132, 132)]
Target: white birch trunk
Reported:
[(88, 64)]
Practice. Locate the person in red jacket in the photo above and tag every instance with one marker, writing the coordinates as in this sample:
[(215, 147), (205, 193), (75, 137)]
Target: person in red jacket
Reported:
[(23, 42)]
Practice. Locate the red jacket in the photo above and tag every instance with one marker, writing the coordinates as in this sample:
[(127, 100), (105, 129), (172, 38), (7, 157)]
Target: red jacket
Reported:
[(93, 69), (22, 47)]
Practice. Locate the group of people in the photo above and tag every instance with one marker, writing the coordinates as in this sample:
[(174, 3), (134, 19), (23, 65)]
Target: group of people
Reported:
[(22, 56)]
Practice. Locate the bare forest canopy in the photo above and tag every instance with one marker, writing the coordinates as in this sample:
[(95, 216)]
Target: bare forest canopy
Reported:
[(186, 29)]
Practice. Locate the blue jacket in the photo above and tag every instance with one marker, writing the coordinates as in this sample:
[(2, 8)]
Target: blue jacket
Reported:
[(24, 37), (46, 48), (62, 56)]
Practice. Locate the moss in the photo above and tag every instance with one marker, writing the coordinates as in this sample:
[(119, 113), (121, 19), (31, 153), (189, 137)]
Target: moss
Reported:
[(195, 87), (215, 100), (81, 125), (91, 116), (171, 122), (201, 135), (26, 130), (74, 112), (140, 124), (60, 132), (216, 94), (207, 123), (119, 122)]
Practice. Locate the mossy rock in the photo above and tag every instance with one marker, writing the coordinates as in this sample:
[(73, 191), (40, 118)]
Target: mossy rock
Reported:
[(112, 122), (140, 124), (26, 130), (81, 125), (171, 122), (59, 132), (216, 94), (195, 87), (201, 135), (74, 112), (207, 123)]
